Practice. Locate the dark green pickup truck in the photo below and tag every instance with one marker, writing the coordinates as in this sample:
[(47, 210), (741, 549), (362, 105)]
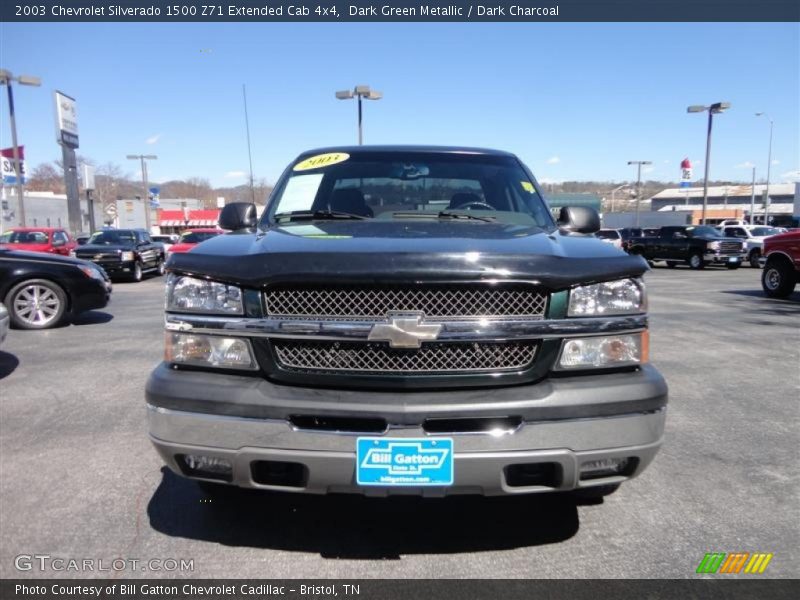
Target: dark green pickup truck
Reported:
[(693, 245)]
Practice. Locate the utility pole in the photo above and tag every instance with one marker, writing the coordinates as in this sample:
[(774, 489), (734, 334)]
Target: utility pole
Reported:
[(753, 199), (639, 164), (769, 166), (249, 152), (146, 197), (712, 110)]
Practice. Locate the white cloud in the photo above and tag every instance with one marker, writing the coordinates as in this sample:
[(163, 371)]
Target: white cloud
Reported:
[(775, 161), (791, 176), (648, 169), (152, 139), (235, 174), (745, 165), (553, 160)]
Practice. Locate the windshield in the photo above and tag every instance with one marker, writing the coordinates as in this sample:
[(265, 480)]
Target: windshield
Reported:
[(23, 237), (764, 231), (195, 237), (702, 231), (110, 238), (394, 186)]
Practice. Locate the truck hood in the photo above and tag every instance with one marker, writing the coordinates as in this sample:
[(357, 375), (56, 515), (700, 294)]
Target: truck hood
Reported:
[(100, 248), (403, 251)]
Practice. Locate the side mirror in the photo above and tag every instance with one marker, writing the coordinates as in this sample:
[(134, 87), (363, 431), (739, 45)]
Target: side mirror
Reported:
[(238, 215), (579, 219)]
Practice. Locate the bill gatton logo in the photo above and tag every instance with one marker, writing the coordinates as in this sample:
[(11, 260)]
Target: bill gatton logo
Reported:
[(404, 458), (734, 563)]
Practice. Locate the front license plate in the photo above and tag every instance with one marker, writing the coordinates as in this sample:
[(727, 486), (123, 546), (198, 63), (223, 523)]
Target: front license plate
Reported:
[(404, 461), (733, 259)]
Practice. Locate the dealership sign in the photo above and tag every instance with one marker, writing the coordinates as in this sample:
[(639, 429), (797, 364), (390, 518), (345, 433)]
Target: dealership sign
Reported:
[(66, 120), (7, 169), (686, 173)]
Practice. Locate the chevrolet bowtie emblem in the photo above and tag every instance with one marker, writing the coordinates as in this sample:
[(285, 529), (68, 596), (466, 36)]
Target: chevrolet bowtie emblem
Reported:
[(406, 331)]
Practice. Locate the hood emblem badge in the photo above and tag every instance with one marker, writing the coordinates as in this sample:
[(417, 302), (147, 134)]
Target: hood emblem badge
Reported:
[(404, 331)]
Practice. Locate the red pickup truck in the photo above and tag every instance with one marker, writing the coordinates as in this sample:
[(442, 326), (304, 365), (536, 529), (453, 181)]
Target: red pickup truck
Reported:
[(782, 270)]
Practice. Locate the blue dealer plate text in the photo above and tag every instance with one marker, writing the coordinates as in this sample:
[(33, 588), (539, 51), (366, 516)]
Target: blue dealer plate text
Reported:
[(404, 461)]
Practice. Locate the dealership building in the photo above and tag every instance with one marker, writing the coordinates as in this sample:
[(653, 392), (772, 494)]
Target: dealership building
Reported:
[(734, 202)]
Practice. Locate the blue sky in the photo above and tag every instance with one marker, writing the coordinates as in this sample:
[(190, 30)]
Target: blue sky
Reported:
[(574, 101)]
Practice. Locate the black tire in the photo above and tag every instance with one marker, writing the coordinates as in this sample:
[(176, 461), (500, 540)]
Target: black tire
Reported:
[(137, 274), (754, 257), (160, 268), (596, 492), (778, 279), (733, 266), (672, 264), (36, 304), (696, 262)]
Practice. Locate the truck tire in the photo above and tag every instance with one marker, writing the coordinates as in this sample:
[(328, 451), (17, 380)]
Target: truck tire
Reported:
[(778, 278), (733, 266), (160, 269), (136, 276), (696, 261), (753, 258)]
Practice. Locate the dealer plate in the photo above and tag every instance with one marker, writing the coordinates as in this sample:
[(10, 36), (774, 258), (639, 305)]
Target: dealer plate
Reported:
[(404, 461), (733, 259)]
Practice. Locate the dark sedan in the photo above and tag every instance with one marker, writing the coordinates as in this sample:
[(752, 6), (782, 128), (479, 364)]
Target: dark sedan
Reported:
[(42, 291)]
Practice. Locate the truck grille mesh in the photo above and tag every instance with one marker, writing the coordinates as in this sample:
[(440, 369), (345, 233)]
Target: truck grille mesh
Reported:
[(352, 303), (375, 357), (730, 247)]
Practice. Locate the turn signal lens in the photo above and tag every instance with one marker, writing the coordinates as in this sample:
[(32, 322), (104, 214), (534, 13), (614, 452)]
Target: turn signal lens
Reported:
[(209, 351), (604, 351)]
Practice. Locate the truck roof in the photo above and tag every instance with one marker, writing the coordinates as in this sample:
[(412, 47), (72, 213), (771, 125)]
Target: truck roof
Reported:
[(354, 150)]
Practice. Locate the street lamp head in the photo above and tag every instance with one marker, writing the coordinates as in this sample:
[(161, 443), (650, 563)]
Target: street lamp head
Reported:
[(5, 76), (719, 107), (362, 90), (344, 95), (29, 80), (150, 157), (373, 95), (132, 156), (695, 108)]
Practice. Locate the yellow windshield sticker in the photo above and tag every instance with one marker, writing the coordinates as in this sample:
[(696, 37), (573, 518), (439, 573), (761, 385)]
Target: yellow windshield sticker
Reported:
[(527, 186), (321, 160)]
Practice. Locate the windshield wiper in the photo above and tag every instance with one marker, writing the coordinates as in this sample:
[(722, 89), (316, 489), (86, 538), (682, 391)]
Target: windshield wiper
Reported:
[(317, 215), (444, 214)]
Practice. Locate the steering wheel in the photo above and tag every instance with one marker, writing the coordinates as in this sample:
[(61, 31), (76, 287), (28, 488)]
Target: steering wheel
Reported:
[(474, 204)]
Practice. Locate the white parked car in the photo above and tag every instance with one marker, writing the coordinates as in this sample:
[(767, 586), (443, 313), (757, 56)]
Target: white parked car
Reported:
[(611, 236), (167, 240), (754, 238)]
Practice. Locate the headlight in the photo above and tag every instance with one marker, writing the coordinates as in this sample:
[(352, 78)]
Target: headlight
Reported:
[(713, 245), (72, 254), (92, 272), (189, 294), (208, 351), (621, 297), (604, 352), (127, 256)]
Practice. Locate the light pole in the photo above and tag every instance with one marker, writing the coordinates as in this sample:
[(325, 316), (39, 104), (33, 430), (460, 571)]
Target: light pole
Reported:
[(360, 91), (146, 197), (639, 164), (715, 108), (5, 79), (769, 164), (614, 193)]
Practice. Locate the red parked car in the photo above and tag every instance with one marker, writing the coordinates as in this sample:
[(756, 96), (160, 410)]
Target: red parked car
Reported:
[(782, 270), (189, 239), (38, 239)]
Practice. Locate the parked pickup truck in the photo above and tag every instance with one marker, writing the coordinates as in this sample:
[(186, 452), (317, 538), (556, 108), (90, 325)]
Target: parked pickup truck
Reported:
[(694, 245), (407, 320), (753, 237), (124, 253), (782, 269)]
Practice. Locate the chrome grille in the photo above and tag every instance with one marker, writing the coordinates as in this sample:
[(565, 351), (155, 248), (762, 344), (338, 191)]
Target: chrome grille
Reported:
[(372, 357), (730, 247), (375, 303), (99, 256)]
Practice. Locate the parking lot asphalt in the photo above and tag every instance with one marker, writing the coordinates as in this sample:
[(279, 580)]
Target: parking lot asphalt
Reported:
[(79, 479)]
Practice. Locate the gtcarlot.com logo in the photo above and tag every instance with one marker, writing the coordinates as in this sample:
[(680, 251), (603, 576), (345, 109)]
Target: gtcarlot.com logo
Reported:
[(45, 562), (734, 563)]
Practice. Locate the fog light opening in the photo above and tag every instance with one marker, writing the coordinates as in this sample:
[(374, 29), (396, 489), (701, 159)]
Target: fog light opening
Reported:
[(207, 467), (608, 467)]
